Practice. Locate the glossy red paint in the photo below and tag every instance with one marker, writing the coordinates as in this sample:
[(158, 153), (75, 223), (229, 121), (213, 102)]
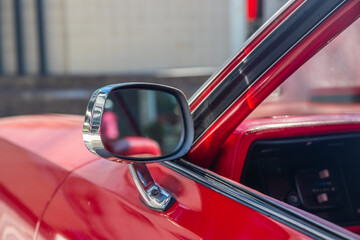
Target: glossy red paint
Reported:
[(232, 156), (28, 182), (66, 192), (215, 136), (251, 44), (355, 229), (50, 136), (33, 165), (105, 205)]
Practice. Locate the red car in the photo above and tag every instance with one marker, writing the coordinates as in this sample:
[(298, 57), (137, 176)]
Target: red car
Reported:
[(211, 168)]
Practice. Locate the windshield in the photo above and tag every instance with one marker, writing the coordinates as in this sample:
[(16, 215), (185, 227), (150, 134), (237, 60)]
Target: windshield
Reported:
[(329, 83)]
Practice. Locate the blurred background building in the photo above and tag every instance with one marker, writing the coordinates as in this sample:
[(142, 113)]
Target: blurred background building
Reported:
[(53, 52)]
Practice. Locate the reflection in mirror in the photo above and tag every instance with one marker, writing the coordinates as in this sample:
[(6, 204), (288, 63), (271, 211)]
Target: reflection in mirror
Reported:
[(141, 123)]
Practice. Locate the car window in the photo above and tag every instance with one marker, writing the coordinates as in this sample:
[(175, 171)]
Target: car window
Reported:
[(305, 151), (328, 83)]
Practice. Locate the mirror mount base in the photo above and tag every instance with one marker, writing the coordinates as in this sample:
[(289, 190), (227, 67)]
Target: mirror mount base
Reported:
[(151, 194)]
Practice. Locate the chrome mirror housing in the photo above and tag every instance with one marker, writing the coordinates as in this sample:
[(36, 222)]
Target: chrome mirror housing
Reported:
[(139, 123)]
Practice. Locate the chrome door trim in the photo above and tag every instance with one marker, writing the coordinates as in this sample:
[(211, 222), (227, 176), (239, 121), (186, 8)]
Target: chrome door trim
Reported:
[(256, 202)]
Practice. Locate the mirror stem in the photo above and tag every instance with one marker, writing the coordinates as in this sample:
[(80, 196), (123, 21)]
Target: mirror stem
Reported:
[(151, 194)]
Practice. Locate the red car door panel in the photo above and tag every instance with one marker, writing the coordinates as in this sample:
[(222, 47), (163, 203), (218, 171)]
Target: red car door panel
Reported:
[(100, 201)]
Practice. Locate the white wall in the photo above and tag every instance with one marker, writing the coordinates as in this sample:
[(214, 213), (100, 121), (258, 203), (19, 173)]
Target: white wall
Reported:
[(121, 36), (30, 36), (112, 36), (238, 24), (8, 36)]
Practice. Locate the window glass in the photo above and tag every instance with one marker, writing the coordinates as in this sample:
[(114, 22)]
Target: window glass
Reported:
[(329, 83)]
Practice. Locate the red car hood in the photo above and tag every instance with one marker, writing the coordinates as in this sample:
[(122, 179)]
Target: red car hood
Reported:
[(56, 138)]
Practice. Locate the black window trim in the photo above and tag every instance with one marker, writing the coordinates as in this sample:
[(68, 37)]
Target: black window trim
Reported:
[(222, 97), (255, 201)]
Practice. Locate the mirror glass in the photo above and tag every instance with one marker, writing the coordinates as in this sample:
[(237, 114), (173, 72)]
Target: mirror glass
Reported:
[(141, 123)]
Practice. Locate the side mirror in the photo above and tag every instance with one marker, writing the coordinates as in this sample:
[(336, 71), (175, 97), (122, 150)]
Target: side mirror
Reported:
[(139, 123)]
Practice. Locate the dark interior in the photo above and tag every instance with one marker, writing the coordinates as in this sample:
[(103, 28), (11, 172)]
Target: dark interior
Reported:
[(319, 174)]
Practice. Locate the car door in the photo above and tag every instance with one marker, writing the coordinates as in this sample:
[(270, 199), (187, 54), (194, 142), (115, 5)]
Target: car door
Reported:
[(100, 200)]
